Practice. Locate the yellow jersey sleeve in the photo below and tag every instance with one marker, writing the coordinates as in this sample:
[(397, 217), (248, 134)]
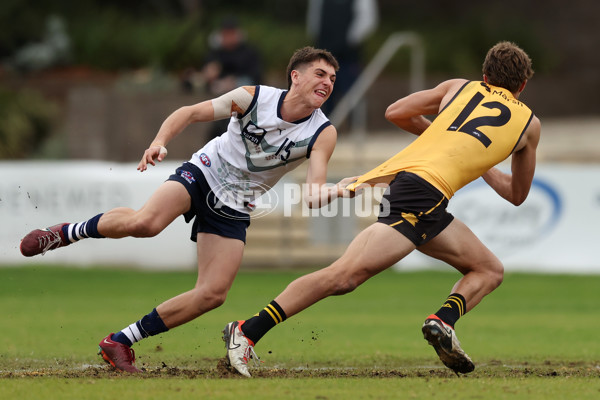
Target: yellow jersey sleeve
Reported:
[(476, 130)]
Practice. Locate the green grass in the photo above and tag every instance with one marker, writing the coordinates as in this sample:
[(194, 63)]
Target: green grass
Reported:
[(535, 337), (408, 388)]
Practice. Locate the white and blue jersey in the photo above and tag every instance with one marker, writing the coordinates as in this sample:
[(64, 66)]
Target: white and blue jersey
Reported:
[(257, 149)]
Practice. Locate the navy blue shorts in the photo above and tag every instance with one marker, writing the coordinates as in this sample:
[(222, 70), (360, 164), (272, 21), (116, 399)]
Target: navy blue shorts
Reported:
[(209, 215), (415, 208)]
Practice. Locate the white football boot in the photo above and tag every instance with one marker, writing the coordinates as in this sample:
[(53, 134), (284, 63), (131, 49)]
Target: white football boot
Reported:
[(240, 349)]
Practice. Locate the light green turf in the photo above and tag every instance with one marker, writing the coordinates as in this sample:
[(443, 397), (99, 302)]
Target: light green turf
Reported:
[(302, 389), (53, 319)]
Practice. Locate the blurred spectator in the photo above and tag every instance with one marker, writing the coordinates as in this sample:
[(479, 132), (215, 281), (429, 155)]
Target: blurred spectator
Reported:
[(53, 49), (231, 62), (341, 26)]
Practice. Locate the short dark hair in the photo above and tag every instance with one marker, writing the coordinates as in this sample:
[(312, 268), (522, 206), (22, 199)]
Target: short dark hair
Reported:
[(507, 65), (307, 55)]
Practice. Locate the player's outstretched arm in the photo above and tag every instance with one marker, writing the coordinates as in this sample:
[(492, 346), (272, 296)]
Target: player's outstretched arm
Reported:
[(171, 127), (318, 193), (409, 112), (235, 101)]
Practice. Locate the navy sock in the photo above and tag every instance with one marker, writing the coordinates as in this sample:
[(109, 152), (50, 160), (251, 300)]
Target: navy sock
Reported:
[(150, 325), (82, 230), (120, 337)]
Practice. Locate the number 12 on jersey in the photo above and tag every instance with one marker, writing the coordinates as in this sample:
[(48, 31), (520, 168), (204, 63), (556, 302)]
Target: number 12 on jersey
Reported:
[(471, 127)]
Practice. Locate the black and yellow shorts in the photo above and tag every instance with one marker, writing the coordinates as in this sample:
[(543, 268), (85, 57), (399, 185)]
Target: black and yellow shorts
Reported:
[(415, 208)]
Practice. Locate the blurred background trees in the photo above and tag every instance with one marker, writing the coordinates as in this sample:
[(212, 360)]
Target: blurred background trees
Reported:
[(45, 45), (171, 34)]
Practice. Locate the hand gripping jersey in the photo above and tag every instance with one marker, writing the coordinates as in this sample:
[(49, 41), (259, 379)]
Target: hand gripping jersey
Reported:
[(257, 149), (476, 130)]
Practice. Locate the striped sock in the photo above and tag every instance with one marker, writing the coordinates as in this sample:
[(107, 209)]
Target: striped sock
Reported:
[(454, 308), (82, 230), (256, 327), (150, 325)]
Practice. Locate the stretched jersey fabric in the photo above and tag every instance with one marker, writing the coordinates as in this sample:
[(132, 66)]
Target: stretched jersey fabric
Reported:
[(476, 130), (257, 149)]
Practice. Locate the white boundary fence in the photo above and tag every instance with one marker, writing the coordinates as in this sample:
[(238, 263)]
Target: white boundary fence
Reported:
[(555, 230)]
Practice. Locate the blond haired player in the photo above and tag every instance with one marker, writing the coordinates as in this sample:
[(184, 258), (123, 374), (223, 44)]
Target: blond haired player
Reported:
[(478, 124)]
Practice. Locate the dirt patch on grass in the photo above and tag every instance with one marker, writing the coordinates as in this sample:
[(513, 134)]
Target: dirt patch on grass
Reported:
[(493, 369)]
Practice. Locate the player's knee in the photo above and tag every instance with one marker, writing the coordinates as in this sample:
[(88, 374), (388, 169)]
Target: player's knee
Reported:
[(344, 286), (495, 274), (210, 299), (215, 301), (346, 281)]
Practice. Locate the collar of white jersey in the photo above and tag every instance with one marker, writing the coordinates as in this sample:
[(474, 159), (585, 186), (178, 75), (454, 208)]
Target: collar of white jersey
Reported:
[(280, 104)]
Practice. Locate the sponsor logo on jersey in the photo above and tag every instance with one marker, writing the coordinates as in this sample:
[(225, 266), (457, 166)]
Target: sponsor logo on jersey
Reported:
[(205, 160), (253, 132)]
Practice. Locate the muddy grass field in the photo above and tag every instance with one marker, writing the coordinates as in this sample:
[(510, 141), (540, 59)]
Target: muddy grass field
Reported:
[(223, 371), (570, 380), (535, 337)]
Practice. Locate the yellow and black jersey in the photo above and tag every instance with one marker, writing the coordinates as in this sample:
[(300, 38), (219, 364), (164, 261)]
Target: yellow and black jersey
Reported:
[(476, 130)]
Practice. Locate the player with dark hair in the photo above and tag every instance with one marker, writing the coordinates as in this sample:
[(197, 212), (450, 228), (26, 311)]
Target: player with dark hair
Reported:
[(478, 125), (271, 131)]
